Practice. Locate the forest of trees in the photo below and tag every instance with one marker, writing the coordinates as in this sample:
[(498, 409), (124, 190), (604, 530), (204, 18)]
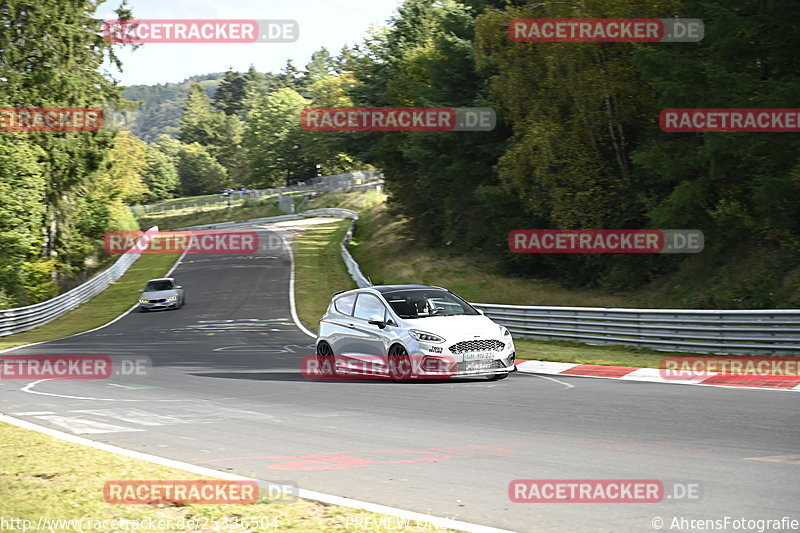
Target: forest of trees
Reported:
[(577, 142)]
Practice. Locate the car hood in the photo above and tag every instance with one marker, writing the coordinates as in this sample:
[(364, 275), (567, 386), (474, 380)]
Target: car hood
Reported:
[(457, 328), (155, 295)]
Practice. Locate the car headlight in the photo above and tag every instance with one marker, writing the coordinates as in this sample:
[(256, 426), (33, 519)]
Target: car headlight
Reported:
[(424, 336), (144, 301), (505, 331), (172, 298)]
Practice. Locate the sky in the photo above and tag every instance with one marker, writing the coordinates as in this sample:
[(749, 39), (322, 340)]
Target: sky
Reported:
[(328, 23)]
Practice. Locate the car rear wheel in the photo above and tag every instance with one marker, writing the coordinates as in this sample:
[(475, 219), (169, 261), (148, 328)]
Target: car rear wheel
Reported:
[(399, 363), (326, 359)]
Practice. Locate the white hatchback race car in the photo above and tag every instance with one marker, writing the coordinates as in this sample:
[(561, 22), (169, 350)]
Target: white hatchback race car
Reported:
[(410, 331)]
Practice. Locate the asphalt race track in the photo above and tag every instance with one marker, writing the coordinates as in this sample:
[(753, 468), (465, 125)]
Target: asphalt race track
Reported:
[(225, 391)]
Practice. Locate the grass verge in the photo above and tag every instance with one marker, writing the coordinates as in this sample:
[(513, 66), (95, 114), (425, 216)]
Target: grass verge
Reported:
[(45, 477), (319, 270), (104, 307)]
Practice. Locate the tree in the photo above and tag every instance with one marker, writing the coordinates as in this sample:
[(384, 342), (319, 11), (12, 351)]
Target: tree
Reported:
[(23, 186), (425, 58), (52, 54), (321, 65), (291, 77), (231, 93), (278, 149), (159, 174), (218, 132), (199, 121), (199, 171)]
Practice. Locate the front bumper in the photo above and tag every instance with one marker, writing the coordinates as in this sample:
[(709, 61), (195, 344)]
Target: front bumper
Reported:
[(155, 306), (453, 366)]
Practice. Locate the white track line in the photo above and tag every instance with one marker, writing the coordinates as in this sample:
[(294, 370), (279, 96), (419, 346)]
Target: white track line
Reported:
[(292, 306), (301, 493)]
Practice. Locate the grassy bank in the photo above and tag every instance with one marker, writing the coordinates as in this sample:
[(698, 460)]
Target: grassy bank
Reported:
[(104, 307), (319, 270), (388, 254), (45, 477)]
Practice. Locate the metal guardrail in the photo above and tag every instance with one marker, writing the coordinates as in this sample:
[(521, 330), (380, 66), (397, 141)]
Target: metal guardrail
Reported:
[(21, 319), (723, 332)]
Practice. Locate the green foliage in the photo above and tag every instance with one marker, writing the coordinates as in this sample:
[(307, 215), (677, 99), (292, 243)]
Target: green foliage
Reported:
[(278, 149), (160, 106), (53, 205), (160, 175), (231, 93), (199, 171)]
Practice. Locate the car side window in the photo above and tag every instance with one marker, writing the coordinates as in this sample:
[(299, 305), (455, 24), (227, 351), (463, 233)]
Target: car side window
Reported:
[(368, 305), (344, 304)]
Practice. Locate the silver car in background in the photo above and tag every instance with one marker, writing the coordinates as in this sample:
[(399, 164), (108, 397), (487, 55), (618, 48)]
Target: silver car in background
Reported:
[(161, 293)]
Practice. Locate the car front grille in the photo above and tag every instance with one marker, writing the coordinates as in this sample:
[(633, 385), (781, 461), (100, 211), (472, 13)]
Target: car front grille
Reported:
[(462, 367), (158, 301), (477, 346)]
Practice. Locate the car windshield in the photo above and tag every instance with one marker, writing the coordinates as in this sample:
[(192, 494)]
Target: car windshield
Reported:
[(427, 303), (158, 285)]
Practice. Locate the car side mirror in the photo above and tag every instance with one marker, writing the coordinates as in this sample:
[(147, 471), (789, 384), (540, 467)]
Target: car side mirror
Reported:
[(178, 286), (141, 290), (377, 320)]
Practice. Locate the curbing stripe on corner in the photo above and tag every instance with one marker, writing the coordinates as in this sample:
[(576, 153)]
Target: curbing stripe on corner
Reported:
[(638, 374)]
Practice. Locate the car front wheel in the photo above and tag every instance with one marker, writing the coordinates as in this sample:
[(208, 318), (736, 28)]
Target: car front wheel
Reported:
[(326, 359), (399, 363)]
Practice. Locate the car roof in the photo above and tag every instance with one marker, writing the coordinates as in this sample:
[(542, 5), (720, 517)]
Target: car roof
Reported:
[(392, 288), (161, 279), (395, 288)]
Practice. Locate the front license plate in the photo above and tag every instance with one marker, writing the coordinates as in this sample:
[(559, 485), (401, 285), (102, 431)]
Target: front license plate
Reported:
[(479, 365), (478, 356)]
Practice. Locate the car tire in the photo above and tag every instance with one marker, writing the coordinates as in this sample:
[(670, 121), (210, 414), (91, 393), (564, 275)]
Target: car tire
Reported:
[(498, 377), (142, 310), (326, 359), (400, 367)]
